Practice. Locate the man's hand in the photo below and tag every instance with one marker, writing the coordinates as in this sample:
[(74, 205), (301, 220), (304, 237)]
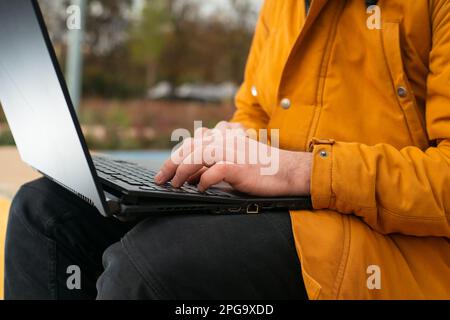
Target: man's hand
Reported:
[(227, 154)]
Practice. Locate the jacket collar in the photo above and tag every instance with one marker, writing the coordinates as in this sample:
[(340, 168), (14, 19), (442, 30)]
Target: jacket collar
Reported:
[(314, 11)]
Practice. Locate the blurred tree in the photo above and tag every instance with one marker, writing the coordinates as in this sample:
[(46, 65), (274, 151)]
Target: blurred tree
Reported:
[(109, 72), (105, 46), (149, 36), (176, 59), (176, 43), (241, 38), (107, 25), (126, 51), (107, 22)]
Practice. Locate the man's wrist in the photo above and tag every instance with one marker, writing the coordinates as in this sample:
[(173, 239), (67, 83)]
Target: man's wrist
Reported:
[(300, 179)]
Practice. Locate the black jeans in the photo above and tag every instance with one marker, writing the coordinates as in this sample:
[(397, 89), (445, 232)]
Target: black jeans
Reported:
[(54, 238)]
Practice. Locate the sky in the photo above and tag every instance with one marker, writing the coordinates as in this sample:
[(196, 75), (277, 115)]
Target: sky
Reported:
[(209, 6)]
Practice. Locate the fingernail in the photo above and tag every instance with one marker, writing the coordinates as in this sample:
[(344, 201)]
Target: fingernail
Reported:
[(175, 184), (159, 177), (201, 189)]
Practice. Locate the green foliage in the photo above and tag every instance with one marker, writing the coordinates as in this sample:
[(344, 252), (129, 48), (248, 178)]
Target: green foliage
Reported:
[(113, 76), (169, 40), (2, 115), (6, 139), (149, 35)]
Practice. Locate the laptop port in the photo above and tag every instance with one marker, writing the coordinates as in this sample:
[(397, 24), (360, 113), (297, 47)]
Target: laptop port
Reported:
[(234, 210), (253, 209)]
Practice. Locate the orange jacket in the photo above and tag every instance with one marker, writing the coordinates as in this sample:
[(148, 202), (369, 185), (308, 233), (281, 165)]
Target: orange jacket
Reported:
[(378, 100)]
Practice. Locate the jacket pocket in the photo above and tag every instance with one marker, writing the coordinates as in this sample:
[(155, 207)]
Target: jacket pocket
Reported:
[(400, 84)]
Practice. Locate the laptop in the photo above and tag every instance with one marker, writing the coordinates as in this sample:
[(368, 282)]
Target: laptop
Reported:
[(49, 138)]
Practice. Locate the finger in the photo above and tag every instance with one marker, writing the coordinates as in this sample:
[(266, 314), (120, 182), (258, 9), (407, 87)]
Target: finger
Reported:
[(237, 126), (166, 172), (184, 172), (169, 168), (186, 156), (234, 128), (192, 164), (188, 146), (229, 125), (200, 133), (195, 178), (220, 172), (223, 125)]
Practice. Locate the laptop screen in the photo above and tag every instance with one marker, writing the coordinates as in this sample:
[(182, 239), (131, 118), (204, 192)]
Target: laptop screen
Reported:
[(36, 103)]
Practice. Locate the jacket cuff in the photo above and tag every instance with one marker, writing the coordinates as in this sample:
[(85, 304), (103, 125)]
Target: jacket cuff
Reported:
[(322, 171)]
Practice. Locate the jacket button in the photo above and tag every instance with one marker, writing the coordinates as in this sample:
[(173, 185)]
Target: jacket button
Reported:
[(285, 103), (323, 154), (402, 92), (254, 91)]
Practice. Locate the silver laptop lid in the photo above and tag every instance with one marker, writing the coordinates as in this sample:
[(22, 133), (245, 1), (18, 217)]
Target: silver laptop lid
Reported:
[(37, 104)]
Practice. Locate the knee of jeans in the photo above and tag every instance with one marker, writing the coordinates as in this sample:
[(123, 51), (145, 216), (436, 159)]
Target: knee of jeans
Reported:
[(32, 206), (121, 279), (166, 254)]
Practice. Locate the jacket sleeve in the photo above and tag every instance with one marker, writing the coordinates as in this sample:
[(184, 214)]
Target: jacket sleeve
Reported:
[(249, 112), (396, 191)]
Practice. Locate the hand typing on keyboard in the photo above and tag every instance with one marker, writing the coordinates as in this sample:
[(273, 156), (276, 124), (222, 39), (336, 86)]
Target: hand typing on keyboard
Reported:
[(228, 154)]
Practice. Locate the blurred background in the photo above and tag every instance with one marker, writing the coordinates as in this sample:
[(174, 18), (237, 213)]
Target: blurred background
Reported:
[(138, 69), (150, 66)]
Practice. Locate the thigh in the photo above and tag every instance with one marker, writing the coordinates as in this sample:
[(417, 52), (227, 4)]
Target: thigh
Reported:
[(51, 231), (205, 257)]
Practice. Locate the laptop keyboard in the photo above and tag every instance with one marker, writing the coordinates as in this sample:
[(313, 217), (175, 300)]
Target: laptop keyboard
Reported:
[(142, 179)]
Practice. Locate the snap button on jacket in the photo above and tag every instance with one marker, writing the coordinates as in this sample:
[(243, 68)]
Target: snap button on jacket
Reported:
[(373, 105)]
